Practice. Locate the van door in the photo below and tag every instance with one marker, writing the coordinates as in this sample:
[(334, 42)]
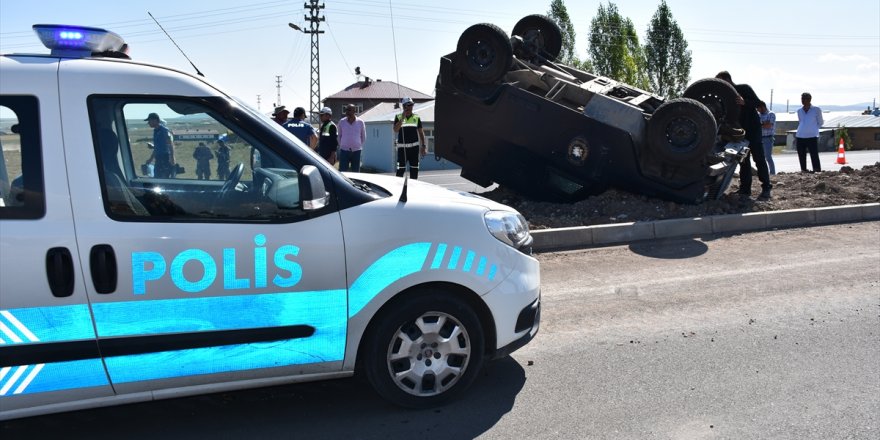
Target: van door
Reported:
[(48, 351), (200, 281)]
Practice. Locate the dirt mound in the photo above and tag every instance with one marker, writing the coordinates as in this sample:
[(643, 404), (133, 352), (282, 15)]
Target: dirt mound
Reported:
[(790, 191)]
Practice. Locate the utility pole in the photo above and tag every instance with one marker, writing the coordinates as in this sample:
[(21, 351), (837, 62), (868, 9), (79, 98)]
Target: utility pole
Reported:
[(315, 86), (278, 88), (258, 102)]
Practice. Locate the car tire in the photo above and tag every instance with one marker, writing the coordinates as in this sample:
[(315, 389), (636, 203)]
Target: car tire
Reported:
[(681, 130), (718, 96), (483, 54), (424, 349), (542, 32)]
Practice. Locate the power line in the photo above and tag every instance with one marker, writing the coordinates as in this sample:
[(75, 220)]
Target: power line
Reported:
[(332, 35)]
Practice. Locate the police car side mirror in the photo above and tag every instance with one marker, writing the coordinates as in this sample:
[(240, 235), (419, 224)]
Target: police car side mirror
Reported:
[(311, 188), (285, 193)]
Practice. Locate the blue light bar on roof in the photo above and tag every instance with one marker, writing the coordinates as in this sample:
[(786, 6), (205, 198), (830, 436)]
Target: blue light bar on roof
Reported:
[(66, 40)]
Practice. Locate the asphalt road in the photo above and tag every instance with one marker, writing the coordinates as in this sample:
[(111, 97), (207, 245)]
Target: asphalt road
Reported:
[(764, 335), (785, 162)]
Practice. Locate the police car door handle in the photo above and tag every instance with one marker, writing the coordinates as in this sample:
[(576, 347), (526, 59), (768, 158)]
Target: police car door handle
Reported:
[(102, 261), (59, 272)]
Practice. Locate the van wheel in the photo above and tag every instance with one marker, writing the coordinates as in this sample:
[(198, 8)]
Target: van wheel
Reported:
[(717, 95), (540, 34), (424, 350), (483, 54), (681, 130)]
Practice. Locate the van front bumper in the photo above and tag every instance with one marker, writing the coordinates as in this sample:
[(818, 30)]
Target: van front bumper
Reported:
[(529, 319)]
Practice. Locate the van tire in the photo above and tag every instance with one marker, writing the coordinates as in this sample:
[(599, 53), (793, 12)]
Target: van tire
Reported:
[(433, 337), (718, 96), (682, 130), (484, 53), (543, 31)]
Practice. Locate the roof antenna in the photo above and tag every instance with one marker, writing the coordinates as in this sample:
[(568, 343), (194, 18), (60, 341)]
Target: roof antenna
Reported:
[(394, 40), (175, 44), (403, 193)]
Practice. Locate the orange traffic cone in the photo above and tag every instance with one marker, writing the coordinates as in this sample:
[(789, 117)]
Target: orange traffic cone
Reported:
[(841, 155)]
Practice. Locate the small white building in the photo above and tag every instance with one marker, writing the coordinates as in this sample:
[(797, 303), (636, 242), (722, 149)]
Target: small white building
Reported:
[(379, 154), (862, 129)]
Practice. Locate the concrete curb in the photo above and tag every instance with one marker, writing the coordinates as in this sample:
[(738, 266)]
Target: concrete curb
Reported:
[(547, 240)]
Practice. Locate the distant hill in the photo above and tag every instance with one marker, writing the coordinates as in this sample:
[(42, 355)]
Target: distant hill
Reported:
[(780, 108)]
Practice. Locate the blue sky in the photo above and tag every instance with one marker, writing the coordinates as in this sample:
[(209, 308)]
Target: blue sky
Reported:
[(831, 49)]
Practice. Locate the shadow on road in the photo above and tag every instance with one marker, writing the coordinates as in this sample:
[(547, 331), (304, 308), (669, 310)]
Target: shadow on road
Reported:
[(339, 409), (671, 249)]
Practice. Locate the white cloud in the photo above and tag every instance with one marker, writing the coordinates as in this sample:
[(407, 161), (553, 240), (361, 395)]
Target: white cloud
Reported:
[(837, 58), (868, 67)]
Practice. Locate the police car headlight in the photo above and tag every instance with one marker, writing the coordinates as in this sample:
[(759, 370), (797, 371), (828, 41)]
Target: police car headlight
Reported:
[(509, 227)]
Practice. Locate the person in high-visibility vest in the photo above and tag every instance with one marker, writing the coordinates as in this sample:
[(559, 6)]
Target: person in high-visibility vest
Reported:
[(410, 141), (328, 141)]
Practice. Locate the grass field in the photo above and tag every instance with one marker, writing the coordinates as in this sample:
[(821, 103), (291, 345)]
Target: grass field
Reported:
[(240, 152)]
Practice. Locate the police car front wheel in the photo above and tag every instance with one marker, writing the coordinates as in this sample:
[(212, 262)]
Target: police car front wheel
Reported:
[(424, 350)]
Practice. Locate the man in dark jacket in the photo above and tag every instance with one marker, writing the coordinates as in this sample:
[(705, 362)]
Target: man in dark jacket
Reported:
[(328, 140), (751, 123)]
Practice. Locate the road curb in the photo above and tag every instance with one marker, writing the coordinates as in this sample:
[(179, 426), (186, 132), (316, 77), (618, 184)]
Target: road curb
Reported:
[(547, 240)]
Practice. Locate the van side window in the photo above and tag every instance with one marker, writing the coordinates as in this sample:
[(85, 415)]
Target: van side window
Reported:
[(180, 160), (21, 168)]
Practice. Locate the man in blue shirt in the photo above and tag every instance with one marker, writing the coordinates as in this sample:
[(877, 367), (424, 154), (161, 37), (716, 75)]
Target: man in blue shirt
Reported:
[(302, 129), (163, 147), (768, 133)]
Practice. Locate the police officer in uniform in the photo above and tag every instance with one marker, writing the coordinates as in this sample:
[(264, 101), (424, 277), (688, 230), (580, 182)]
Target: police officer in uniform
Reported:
[(302, 129), (163, 148), (410, 138)]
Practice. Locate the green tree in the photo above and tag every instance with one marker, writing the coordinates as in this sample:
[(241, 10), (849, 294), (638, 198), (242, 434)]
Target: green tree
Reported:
[(843, 133), (668, 59), (559, 14), (614, 50)]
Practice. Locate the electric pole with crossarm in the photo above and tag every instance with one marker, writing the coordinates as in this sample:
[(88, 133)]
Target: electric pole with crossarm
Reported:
[(315, 87)]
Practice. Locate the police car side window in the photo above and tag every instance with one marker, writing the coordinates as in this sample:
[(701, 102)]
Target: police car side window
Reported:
[(181, 160), (21, 169)]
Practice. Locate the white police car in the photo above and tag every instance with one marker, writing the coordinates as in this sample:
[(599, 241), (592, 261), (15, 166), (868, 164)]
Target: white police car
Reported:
[(121, 282)]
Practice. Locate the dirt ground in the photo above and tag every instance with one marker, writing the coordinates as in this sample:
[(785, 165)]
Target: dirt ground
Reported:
[(790, 191)]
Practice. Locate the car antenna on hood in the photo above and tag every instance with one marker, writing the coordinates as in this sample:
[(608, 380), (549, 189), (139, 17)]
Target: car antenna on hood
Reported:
[(403, 193), (175, 44)]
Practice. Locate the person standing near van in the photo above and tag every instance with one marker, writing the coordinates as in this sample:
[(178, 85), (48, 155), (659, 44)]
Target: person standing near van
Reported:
[(203, 155), (751, 123), (302, 129), (223, 154), (410, 138), (768, 133), (807, 137), (352, 135), (329, 139), (163, 147), (280, 114)]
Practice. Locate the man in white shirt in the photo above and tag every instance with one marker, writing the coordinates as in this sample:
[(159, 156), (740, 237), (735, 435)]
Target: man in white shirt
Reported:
[(807, 136)]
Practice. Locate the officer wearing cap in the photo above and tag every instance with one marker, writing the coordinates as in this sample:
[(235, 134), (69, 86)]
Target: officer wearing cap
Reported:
[(163, 147), (410, 138), (329, 139), (280, 114)]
